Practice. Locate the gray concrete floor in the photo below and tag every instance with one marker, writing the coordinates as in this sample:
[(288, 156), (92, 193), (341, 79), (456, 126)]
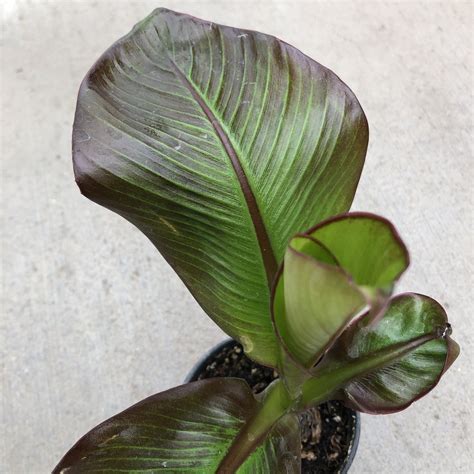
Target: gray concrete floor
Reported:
[(94, 320)]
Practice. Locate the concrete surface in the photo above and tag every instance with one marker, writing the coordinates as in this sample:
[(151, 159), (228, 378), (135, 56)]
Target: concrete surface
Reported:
[(93, 319)]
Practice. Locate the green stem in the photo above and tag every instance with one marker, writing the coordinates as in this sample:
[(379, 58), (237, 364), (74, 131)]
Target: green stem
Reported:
[(275, 404), (320, 389)]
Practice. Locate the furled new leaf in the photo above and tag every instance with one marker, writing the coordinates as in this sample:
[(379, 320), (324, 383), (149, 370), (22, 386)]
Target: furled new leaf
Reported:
[(385, 367), (367, 247), (219, 144), (331, 273), (314, 300), (185, 429)]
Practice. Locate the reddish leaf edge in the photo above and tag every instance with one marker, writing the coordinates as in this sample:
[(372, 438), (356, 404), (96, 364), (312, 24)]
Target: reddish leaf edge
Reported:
[(108, 53), (107, 429), (453, 351), (368, 215), (355, 319)]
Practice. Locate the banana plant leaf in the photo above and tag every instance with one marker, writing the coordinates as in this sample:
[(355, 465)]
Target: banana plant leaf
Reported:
[(219, 144), (385, 367), (313, 302), (187, 429), (331, 274)]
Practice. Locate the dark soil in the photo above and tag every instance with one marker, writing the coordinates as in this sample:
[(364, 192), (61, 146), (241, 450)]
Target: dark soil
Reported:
[(326, 431)]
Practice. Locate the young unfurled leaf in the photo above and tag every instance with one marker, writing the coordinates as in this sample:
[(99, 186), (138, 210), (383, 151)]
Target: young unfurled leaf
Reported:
[(219, 144), (367, 247), (330, 274), (185, 429), (385, 367), (313, 301)]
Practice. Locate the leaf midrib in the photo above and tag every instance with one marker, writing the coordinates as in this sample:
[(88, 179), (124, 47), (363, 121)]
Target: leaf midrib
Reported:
[(268, 256)]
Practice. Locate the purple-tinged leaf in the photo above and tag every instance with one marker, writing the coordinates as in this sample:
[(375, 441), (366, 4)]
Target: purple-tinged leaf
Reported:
[(219, 144), (185, 429), (385, 367)]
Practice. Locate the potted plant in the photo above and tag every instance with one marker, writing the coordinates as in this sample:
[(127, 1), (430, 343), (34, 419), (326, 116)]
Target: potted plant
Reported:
[(239, 156)]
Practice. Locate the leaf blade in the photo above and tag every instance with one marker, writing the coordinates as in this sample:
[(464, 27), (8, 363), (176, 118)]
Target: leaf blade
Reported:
[(182, 121), (410, 377), (185, 429), (366, 245), (384, 368), (313, 301)]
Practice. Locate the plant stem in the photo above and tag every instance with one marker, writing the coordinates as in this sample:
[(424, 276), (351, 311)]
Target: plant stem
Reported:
[(275, 404)]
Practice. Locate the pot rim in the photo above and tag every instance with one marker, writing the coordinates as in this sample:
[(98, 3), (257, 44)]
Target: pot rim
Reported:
[(211, 353)]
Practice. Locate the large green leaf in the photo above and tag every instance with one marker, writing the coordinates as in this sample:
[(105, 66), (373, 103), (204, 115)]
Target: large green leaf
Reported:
[(219, 144), (185, 429), (385, 367)]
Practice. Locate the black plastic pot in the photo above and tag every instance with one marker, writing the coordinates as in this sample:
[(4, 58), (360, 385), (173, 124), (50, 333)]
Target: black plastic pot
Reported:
[(210, 356)]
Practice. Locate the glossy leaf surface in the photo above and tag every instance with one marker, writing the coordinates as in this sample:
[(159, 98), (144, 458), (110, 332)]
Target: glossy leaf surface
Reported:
[(383, 368), (185, 429), (313, 301), (219, 144)]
